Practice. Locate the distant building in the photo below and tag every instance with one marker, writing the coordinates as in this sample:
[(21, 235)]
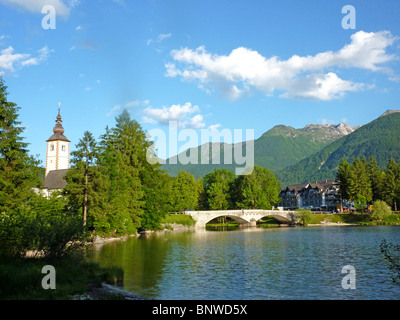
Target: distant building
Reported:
[(319, 196)]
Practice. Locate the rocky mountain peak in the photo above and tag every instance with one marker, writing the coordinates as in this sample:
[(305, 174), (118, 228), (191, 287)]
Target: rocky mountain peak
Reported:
[(389, 112)]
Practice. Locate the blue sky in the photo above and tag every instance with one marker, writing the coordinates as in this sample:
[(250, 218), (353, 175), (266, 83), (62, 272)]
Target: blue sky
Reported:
[(206, 64)]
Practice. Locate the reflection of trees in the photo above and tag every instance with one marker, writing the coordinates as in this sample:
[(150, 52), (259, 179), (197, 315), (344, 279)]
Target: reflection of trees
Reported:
[(141, 260), (392, 255)]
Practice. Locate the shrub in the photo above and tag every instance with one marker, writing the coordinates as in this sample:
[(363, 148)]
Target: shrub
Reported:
[(380, 210), (303, 216), (42, 226)]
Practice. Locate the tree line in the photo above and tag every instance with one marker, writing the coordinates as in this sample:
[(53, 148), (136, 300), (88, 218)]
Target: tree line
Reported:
[(365, 182), (117, 190), (112, 188)]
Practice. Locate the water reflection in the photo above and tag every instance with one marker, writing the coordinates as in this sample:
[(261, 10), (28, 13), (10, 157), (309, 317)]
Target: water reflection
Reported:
[(255, 263)]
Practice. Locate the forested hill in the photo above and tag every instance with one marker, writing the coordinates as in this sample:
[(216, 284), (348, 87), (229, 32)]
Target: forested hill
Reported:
[(276, 149), (380, 139)]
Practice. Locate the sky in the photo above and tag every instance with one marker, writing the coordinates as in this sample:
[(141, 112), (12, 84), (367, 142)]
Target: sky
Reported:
[(211, 65)]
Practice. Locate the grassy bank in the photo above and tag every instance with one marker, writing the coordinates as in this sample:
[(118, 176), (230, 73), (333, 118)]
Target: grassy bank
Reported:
[(356, 218), (21, 279), (269, 222), (181, 219)]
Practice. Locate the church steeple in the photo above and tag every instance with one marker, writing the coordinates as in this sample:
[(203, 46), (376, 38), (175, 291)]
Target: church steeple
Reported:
[(57, 157), (58, 129)]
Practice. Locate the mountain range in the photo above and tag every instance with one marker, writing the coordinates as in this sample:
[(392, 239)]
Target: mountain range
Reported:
[(310, 153)]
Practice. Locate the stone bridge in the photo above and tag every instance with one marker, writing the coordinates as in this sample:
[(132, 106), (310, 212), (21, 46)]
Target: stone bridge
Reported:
[(243, 217)]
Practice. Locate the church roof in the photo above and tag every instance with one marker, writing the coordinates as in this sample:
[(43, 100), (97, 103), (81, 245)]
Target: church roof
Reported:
[(58, 131), (55, 180), (58, 137)]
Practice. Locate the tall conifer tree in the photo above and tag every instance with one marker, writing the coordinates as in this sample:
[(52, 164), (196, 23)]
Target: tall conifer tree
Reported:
[(392, 184), (375, 176), (360, 184), (85, 180), (19, 172), (344, 176), (122, 155)]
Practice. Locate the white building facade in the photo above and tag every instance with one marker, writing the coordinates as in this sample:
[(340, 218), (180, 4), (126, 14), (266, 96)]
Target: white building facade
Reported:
[(57, 155)]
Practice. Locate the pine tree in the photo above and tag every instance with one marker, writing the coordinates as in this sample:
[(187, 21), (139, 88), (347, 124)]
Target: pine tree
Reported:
[(19, 172), (344, 176), (375, 176), (360, 184), (123, 159), (85, 181), (392, 184)]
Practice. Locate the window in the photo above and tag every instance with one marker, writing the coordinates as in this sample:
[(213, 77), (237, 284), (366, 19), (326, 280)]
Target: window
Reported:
[(52, 147), (63, 148)]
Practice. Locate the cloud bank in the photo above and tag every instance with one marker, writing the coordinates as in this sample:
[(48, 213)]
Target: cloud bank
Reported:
[(308, 77), (11, 61), (183, 114)]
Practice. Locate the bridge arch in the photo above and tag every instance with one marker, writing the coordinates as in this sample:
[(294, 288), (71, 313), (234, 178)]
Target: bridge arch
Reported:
[(239, 220), (242, 216), (279, 218)]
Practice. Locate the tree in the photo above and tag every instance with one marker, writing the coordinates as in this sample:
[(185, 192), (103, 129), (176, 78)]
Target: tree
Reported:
[(258, 190), (84, 178), (122, 159), (360, 203), (392, 184), (19, 172), (217, 187), (185, 191), (157, 188), (344, 176), (360, 184), (376, 178)]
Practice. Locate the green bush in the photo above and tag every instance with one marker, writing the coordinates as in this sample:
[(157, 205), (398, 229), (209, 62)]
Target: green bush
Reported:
[(380, 211), (303, 216), (42, 226)]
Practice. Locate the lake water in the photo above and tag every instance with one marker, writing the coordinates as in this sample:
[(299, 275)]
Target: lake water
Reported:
[(256, 263)]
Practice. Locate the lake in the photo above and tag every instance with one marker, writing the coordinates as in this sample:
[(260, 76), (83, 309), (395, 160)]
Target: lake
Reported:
[(255, 263)]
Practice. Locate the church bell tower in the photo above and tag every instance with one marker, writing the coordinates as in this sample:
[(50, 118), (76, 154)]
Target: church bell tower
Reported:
[(57, 156)]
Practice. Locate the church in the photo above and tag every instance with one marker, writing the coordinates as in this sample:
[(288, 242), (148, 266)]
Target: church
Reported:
[(57, 159)]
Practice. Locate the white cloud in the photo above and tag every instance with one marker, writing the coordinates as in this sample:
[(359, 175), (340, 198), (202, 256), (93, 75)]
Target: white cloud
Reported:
[(298, 77), (8, 58), (10, 61), (215, 126), (183, 114), (196, 122), (36, 6), (44, 53)]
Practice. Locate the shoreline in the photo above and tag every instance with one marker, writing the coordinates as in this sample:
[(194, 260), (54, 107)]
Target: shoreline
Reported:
[(182, 228)]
